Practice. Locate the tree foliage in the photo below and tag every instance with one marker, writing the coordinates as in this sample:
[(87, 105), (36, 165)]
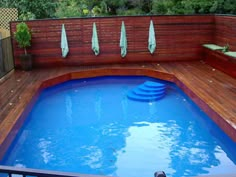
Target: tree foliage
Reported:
[(68, 9), (194, 7), (29, 9), (32, 9)]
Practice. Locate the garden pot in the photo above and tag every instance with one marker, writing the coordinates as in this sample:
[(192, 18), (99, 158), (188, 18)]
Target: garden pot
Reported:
[(26, 62)]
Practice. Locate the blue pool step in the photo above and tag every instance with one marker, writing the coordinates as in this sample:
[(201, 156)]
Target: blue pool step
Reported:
[(140, 92), (148, 91), (153, 84)]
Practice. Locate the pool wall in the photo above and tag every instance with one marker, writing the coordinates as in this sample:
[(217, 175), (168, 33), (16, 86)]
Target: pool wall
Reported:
[(8, 136)]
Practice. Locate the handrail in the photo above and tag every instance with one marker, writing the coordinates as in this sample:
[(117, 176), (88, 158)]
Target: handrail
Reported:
[(46, 173), (39, 173)]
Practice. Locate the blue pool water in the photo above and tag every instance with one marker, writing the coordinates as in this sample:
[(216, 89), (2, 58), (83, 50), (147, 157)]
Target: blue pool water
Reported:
[(90, 126)]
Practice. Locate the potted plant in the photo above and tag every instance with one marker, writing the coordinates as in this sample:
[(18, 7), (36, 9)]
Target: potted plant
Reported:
[(23, 38)]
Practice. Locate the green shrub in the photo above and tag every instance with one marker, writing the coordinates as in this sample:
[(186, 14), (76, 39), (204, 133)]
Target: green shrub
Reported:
[(23, 36)]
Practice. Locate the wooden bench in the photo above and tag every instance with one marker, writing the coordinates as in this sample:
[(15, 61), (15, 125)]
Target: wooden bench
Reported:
[(225, 62)]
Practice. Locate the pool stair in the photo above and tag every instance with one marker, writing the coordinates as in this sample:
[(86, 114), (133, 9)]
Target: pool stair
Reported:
[(148, 91)]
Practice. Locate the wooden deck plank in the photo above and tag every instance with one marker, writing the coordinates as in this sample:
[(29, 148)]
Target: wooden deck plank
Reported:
[(211, 86)]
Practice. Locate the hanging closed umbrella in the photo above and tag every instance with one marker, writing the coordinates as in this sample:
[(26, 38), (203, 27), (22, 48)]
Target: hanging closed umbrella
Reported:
[(95, 43), (123, 40), (151, 38), (64, 43)]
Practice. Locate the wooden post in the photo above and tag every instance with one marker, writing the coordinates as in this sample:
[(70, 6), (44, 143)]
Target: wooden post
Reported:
[(2, 68)]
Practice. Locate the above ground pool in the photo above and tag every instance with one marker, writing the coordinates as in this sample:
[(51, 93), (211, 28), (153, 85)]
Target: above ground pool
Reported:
[(91, 126)]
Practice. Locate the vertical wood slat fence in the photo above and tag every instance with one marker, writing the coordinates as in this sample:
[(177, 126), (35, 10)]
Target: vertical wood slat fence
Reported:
[(178, 38)]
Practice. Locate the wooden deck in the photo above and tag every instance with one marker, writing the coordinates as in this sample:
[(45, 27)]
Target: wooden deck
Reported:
[(212, 90)]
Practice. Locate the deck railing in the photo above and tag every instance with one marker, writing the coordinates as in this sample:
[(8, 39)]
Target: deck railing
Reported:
[(13, 171), (6, 56)]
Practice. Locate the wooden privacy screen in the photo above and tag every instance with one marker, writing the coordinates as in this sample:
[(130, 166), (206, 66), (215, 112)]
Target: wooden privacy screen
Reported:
[(178, 38), (225, 31)]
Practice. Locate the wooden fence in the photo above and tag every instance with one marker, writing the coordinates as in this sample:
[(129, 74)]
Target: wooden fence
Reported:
[(178, 38), (6, 57), (225, 31)]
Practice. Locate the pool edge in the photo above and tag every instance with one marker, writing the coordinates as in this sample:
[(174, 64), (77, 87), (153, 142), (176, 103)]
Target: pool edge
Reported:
[(8, 136)]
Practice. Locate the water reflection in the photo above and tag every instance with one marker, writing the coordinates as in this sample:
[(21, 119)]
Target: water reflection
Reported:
[(124, 104), (44, 150), (68, 103), (98, 104)]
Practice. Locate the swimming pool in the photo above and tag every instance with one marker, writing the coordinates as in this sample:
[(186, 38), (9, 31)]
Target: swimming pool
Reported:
[(90, 126)]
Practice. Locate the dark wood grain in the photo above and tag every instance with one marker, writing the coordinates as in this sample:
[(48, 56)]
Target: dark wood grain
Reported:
[(178, 38), (219, 60), (225, 31)]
